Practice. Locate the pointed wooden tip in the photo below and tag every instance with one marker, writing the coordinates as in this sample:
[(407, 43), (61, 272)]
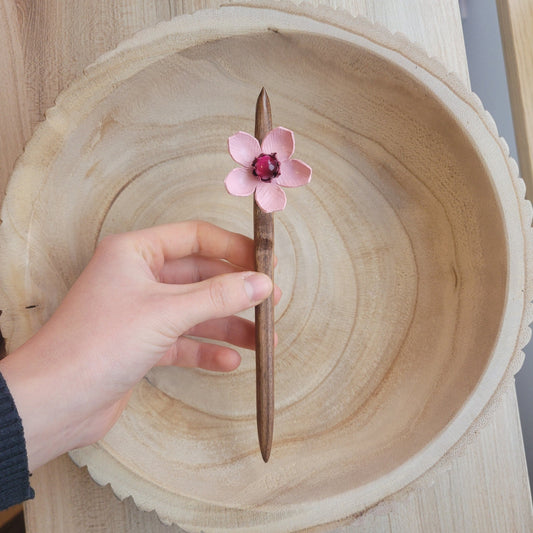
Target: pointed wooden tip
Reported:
[(263, 115), (263, 96), (265, 453)]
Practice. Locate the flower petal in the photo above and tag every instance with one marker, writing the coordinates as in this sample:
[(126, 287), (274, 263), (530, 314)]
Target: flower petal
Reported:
[(243, 148), (279, 141), (294, 173), (270, 197), (241, 182)]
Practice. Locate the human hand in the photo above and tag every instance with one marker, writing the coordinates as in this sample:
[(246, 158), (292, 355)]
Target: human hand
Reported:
[(129, 311)]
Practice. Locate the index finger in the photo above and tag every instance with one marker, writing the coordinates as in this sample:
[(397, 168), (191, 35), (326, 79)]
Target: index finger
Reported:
[(173, 241)]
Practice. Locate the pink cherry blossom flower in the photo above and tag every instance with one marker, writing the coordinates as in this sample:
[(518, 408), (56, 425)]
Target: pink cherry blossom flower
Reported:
[(265, 168)]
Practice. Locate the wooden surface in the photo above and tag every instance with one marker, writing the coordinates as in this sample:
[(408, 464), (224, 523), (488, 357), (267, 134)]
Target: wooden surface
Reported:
[(16, 124), (483, 490), (466, 496), (382, 256), (516, 26), (264, 312)]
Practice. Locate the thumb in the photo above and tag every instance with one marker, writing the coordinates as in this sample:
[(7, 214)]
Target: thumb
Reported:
[(222, 296)]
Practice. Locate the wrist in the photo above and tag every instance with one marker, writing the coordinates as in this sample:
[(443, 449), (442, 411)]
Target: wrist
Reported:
[(31, 385)]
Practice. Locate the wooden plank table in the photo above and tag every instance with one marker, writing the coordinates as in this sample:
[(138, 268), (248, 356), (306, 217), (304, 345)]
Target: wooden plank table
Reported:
[(516, 21), (44, 46)]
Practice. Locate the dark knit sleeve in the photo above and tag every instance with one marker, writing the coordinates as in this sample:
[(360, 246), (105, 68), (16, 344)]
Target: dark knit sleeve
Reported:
[(14, 474)]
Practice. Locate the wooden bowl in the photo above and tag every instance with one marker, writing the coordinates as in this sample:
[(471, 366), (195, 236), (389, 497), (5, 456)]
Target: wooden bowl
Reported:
[(405, 265)]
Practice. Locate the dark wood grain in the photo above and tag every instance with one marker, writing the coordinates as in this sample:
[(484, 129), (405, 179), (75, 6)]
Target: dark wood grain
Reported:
[(264, 312)]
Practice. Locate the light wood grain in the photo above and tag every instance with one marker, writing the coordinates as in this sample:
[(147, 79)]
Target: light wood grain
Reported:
[(516, 26), (484, 489), (494, 457), (393, 238), (14, 113), (61, 40)]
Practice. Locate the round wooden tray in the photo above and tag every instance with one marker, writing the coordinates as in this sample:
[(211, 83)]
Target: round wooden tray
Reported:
[(405, 265)]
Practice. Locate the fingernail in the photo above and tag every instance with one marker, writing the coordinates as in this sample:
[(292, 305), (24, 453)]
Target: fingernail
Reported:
[(257, 286)]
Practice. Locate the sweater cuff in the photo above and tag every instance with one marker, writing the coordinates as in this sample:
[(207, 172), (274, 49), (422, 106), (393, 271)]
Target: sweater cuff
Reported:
[(14, 474)]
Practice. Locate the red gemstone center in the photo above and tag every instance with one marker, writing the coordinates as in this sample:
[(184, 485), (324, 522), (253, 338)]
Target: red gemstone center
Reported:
[(266, 167)]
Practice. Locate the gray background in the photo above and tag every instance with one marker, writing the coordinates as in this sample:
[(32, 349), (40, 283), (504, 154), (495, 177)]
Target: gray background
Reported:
[(488, 79)]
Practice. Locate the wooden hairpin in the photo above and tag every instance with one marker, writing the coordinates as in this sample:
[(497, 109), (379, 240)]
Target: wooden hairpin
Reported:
[(266, 167)]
